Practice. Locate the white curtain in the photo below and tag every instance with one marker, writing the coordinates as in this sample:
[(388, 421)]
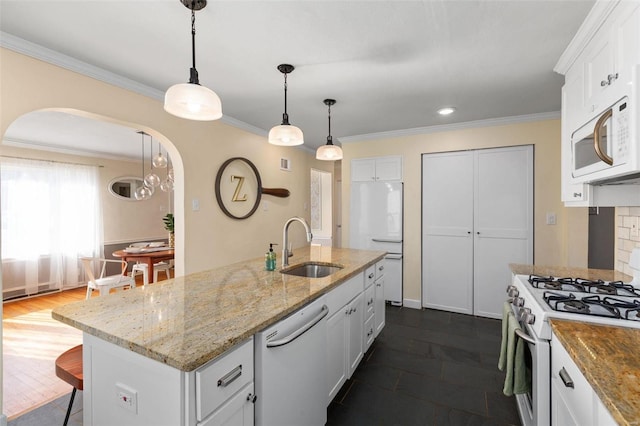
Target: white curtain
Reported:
[(51, 216)]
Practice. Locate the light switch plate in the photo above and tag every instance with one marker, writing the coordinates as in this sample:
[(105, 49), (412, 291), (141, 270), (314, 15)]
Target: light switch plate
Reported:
[(127, 398), (551, 218)]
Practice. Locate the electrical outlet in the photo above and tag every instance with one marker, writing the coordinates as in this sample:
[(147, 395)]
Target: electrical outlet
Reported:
[(127, 398), (195, 204), (635, 228)]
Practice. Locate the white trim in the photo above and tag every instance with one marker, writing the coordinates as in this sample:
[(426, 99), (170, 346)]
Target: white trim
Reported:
[(455, 126), (136, 240), (50, 56), (592, 23), (19, 143), (412, 303)]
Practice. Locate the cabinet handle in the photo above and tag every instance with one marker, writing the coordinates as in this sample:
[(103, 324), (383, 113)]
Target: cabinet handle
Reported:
[(381, 268), (566, 378), (379, 285), (577, 194), (230, 376), (252, 398), (369, 333), (371, 275)]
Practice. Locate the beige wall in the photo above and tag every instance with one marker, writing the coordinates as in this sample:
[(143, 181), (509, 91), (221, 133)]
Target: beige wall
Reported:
[(205, 238), (561, 244), (626, 219), (123, 221)]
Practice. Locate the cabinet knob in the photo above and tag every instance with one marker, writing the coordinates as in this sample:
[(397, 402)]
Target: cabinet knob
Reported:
[(577, 194), (371, 275), (252, 398)]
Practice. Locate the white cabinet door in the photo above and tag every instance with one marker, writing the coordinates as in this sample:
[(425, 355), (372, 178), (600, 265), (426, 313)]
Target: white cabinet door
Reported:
[(389, 168), (447, 253), (380, 306), (627, 42), (363, 170), (355, 320), (336, 352), (237, 411), (503, 218), (598, 66), (477, 218)]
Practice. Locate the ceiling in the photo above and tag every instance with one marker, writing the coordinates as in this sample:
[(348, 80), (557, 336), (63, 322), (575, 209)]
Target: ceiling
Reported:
[(389, 64)]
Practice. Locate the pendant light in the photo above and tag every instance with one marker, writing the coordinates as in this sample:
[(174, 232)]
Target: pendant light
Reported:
[(143, 192), (151, 180), (191, 100), (329, 152), (285, 134), (159, 161)]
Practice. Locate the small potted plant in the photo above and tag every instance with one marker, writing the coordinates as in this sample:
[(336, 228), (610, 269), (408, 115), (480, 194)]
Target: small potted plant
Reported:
[(168, 225)]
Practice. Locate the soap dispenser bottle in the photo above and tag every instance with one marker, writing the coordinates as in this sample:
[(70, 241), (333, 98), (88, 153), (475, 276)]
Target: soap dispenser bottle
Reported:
[(270, 258)]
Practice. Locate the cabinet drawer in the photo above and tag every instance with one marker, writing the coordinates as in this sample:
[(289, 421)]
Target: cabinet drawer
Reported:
[(380, 269), (222, 378), (344, 293), (369, 301), (369, 333), (369, 276), (578, 399)]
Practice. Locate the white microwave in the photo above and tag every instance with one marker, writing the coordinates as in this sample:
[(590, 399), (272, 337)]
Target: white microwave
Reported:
[(601, 149)]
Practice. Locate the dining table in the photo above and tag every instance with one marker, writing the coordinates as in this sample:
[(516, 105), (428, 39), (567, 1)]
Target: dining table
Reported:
[(148, 256)]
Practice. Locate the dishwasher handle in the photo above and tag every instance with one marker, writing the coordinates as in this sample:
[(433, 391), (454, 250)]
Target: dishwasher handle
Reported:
[(299, 332)]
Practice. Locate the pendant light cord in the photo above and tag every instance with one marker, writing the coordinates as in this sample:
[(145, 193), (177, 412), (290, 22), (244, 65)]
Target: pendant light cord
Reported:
[(329, 138), (285, 116), (142, 134), (193, 79)]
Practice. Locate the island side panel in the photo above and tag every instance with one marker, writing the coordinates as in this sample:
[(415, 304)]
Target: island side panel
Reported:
[(125, 388)]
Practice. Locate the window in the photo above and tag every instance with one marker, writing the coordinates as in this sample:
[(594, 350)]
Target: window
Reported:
[(51, 216)]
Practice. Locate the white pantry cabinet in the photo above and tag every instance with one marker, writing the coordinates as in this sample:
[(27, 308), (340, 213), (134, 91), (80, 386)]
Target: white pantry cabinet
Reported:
[(573, 400), (377, 169), (477, 216)]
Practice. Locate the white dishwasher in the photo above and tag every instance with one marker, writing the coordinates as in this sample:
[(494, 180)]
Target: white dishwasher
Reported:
[(290, 369)]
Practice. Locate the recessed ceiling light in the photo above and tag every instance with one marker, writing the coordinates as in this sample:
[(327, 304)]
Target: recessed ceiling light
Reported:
[(446, 110)]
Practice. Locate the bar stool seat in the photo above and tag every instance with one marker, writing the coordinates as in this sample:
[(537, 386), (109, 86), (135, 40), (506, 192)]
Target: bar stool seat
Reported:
[(69, 369)]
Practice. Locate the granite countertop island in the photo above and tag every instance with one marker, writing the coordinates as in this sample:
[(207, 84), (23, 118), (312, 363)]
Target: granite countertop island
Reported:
[(608, 358), (188, 321)]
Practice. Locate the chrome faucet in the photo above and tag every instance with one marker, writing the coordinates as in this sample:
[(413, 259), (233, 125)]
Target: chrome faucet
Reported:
[(285, 237)]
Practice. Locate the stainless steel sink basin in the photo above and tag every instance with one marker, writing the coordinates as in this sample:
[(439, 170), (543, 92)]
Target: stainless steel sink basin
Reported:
[(312, 269)]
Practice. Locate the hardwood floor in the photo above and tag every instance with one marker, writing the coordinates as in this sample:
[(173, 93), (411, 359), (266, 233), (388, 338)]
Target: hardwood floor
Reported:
[(31, 342)]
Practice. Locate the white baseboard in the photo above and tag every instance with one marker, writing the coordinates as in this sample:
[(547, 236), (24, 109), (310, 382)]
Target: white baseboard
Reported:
[(412, 303)]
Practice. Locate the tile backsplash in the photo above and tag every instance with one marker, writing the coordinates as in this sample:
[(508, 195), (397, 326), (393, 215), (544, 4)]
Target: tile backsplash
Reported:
[(627, 236)]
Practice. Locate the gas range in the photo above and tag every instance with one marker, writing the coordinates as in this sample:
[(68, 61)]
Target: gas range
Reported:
[(536, 299)]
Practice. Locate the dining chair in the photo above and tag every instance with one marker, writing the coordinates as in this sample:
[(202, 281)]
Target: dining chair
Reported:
[(142, 268), (104, 283)]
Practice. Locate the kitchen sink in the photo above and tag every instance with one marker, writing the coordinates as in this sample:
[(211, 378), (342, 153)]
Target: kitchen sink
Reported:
[(312, 269)]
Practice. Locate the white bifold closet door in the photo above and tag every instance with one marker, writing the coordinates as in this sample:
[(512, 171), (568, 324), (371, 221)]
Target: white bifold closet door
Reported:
[(477, 217)]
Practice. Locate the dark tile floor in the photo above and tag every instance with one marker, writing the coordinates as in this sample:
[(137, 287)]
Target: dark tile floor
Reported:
[(428, 367)]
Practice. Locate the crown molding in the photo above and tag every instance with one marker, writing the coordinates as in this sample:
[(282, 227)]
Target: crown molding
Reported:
[(454, 126), (20, 143), (591, 24), (50, 56)]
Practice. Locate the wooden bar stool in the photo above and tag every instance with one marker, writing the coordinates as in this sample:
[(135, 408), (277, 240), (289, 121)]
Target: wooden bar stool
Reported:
[(69, 369)]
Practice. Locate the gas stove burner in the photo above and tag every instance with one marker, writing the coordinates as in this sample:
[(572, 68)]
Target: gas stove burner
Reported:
[(553, 285), (576, 306), (606, 289)]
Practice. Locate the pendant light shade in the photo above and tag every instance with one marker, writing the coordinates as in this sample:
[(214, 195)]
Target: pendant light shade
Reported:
[(285, 134), (191, 100), (329, 152)]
